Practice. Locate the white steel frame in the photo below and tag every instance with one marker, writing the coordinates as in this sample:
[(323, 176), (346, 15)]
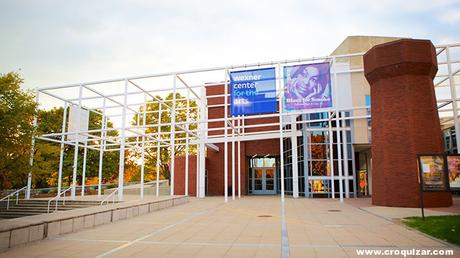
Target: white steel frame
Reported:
[(98, 139)]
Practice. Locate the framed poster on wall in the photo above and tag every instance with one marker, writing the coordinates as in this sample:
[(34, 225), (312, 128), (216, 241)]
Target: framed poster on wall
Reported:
[(453, 171), (433, 173)]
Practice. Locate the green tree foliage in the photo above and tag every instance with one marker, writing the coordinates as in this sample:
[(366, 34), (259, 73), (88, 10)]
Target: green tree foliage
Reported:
[(153, 118), (46, 158), (17, 108)]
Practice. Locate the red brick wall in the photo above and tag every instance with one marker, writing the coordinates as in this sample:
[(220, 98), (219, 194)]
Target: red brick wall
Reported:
[(215, 160), (179, 175), (405, 120), (215, 164)]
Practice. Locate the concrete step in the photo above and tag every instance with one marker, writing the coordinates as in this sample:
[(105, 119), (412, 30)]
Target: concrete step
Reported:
[(52, 205), (60, 201), (27, 208), (45, 207), (34, 207), (17, 214)]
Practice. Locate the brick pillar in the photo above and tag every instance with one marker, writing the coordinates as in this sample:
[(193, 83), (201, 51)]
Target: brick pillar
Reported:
[(405, 120)]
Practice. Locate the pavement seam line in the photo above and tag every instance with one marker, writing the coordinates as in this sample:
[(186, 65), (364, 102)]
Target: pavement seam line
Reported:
[(154, 232), (284, 232), (209, 244), (90, 240)]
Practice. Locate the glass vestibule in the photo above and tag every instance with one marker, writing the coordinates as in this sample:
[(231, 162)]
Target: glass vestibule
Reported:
[(262, 175), (263, 181), (314, 161)]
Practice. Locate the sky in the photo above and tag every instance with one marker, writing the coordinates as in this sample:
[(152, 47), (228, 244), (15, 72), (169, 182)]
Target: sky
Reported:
[(61, 42)]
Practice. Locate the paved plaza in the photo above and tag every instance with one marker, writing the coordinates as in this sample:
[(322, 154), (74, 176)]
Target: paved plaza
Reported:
[(247, 227)]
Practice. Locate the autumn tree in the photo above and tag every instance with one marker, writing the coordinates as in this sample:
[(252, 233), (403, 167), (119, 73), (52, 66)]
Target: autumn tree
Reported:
[(153, 118), (17, 108), (46, 165)]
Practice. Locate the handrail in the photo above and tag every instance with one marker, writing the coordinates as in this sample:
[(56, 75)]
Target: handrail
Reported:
[(56, 198), (11, 194), (112, 194)]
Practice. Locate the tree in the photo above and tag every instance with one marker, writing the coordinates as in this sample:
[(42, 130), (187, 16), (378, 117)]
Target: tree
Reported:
[(17, 109), (46, 158), (152, 118)]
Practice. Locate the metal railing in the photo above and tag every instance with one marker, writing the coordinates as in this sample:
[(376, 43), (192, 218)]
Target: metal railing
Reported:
[(56, 199), (17, 196), (107, 199)]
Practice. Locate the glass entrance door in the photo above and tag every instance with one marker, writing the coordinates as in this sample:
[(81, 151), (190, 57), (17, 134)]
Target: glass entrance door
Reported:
[(263, 181)]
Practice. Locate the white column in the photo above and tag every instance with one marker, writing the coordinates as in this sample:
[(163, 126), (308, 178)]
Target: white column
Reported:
[(339, 154), (158, 151), (345, 155), (239, 159), (101, 150), (32, 149), (280, 103), (453, 93), (122, 145), (306, 155), (144, 119), (197, 172), (233, 159), (331, 155), (187, 127), (295, 160), (202, 126), (75, 166), (61, 151), (337, 122), (173, 135), (75, 157), (83, 177), (225, 138)]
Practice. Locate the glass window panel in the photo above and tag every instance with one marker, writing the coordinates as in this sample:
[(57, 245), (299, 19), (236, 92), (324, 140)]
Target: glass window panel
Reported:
[(269, 174), (318, 151), (258, 173), (367, 99), (269, 185), (318, 137), (320, 168), (319, 186), (257, 184), (350, 167)]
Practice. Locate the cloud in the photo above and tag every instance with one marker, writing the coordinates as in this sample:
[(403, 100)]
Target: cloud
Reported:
[(451, 16), (56, 42)]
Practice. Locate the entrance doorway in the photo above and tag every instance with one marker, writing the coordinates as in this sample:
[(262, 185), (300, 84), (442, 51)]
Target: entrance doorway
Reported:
[(264, 180)]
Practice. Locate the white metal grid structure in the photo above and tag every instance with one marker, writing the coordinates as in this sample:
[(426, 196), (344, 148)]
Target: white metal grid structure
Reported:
[(120, 99)]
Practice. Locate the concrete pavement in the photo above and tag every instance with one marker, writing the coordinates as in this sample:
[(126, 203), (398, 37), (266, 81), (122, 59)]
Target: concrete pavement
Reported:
[(248, 227)]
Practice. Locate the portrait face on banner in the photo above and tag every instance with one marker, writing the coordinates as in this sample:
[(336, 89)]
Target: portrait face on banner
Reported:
[(453, 168), (307, 86)]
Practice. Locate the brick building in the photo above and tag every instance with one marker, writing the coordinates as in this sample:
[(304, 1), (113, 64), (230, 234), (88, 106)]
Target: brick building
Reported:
[(326, 153)]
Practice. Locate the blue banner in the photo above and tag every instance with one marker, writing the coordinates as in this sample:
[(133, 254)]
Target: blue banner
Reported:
[(253, 92)]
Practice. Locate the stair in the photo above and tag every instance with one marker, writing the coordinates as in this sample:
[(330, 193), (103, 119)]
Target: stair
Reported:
[(33, 207)]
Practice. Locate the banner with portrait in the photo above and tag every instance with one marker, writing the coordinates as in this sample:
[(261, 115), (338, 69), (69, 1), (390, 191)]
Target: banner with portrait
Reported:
[(307, 86), (453, 169)]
